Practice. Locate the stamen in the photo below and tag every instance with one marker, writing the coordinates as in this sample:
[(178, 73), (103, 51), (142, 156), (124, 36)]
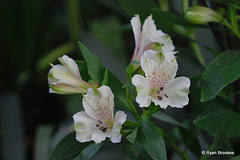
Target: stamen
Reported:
[(159, 98), (161, 88), (165, 95), (97, 125), (105, 129), (101, 128), (99, 121)]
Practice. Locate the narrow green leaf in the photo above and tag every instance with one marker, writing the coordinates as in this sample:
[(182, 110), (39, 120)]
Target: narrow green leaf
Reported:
[(41, 147), (83, 70), (119, 93), (89, 152), (130, 85), (132, 137), (166, 118), (141, 7), (150, 138), (171, 19), (223, 70), (196, 78), (235, 158), (53, 55), (235, 3), (94, 66), (134, 151), (129, 68), (67, 147), (105, 78), (222, 118)]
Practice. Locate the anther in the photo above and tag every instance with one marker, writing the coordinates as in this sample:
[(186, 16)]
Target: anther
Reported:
[(159, 98), (101, 128), (165, 95), (104, 129), (99, 121), (97, 125), (158, 92), (161, 88)]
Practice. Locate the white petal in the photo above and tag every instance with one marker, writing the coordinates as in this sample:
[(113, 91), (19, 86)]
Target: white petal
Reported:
[(148, 29), (168, 46), (120, 118), (60, 73), (150, 60), (141, 84), (99, 104), (84, 126), (177, 91), (61, 88), (163, 103), (168, 68), (99, 136), (136, 26), (71, 65)]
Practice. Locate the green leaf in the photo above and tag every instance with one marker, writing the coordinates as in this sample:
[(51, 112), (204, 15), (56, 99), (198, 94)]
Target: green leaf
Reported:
[(166, 118), (129, 85), (94, 66), (119, 93), (83, 70), (67, 147), (223, 118), (89, 151), (196, 78), (223, 70), (134, 151), (105, 78), (235, 3), (170, 19), (150, 138), (141, 7), (41, 147), (129, 68), (132, 137), (220, 142)]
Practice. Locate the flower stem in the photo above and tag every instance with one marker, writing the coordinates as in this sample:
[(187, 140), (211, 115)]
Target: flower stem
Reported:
[(231, 28), (130, 123), (196, 50), (181, 154), (135, 113)]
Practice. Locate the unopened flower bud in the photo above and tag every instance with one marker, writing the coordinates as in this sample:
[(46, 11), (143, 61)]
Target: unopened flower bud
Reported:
[(201, 15)]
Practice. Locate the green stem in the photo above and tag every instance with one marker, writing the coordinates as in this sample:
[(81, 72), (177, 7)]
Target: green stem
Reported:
[(135, 113), (126, 131), (196, 49), (234, 30), (127, 89), (181, 154), (130, 123)]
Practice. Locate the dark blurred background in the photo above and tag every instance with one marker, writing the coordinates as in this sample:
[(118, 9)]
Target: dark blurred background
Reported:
[(34, 33)]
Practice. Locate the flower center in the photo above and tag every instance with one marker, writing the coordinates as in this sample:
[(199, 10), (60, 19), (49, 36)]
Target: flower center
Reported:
[(101, 127), (159, 94)]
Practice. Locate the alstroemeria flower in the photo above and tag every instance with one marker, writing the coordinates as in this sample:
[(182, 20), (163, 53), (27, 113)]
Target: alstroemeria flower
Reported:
[(149, 38), (159, 84), (66, 78), (97, 121)]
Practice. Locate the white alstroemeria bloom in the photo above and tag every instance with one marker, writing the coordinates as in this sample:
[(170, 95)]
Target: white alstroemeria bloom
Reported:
[(149, 38), (97, 121), (159, 84), (65, 78)]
